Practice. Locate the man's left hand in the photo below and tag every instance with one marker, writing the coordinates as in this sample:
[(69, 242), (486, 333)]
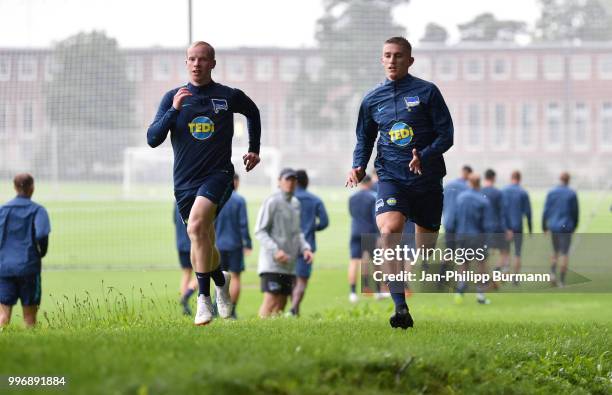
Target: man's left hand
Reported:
[(308, 256), (415, 163), (250, 160)]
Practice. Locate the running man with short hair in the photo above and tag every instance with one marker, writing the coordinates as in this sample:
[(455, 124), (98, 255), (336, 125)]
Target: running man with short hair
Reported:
[(200, 119), (24, 241), (414, 128)]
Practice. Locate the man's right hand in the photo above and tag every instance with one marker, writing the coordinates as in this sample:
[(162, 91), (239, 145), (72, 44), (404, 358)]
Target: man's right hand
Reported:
[(281, 257), (354, 177), (181, 94)]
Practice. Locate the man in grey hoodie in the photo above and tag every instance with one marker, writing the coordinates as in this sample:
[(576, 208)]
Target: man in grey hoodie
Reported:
[(278, 230)]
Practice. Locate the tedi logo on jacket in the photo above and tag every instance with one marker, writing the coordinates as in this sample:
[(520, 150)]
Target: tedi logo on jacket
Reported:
[(401, 134), (201, 128)]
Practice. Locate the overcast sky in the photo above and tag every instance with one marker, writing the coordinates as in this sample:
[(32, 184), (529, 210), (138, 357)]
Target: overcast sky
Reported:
[(225, 23)]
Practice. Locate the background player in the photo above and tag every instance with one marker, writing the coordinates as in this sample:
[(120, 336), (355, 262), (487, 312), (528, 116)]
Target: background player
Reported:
[(24, 240), (200, 117), (363, 222), (278, 230), (313, 218), (517, 205), (415, 130), (496, 227), (469, 221), (560, 217), (183, 246), (452, 189), (233, 240)]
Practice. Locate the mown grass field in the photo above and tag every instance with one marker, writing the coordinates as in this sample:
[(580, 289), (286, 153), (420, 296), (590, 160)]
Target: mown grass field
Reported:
[(110, 322)]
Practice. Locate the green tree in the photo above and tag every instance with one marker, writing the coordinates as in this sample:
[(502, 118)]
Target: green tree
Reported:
[(485, 27), (350, 36), (88, 102), (434, 33), (585, 20)]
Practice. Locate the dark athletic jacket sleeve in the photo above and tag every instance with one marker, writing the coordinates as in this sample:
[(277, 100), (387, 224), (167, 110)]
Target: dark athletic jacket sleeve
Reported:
[(245, 106), (442, 126), (366, 131), (164, 120)]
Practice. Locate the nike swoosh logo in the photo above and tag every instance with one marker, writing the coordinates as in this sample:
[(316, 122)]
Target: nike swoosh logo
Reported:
[(379, 108)]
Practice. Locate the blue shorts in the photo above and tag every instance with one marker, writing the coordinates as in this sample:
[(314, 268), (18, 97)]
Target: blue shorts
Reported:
[(185, 259), (216, 187), (424, 208), (232, 260), (358, 247), (561, 242), (302, 269), (27, 288), (517, 238), (497, 241)]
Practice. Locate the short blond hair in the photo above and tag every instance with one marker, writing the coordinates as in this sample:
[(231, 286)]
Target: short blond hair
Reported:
[(211, 50)]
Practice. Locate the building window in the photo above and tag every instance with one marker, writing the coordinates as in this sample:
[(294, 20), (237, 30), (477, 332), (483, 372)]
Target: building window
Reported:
[(527, 68), (134, 68), (421, 68), (27, 69), (289, 69), (553, 67), (52, 68), (235, 68), (580, 136), (313, 67), (264, 69), (27, 119), (162, 68), (474, 126), (500, 136), (580, 67), (5, 68), (446, 68), (606, 124), (554, 126), (3, 119), (605, 67), (500, 68), (527, 123), (473, 69)]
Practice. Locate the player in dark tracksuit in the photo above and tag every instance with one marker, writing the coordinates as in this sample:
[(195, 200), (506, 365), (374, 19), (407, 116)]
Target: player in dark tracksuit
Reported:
[(233, 240), (361, 207), (470, 221), (560, 217), (200, 119), (313, 218), (496, 226), (452, 189), (24, 240), (517, 206), (414, 128)]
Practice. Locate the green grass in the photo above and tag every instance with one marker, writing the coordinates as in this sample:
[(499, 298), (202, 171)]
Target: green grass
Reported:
[(126, 336), (110, 322)]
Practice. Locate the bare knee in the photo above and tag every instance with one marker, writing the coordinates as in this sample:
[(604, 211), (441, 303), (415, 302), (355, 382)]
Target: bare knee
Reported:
[(198, 230)]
